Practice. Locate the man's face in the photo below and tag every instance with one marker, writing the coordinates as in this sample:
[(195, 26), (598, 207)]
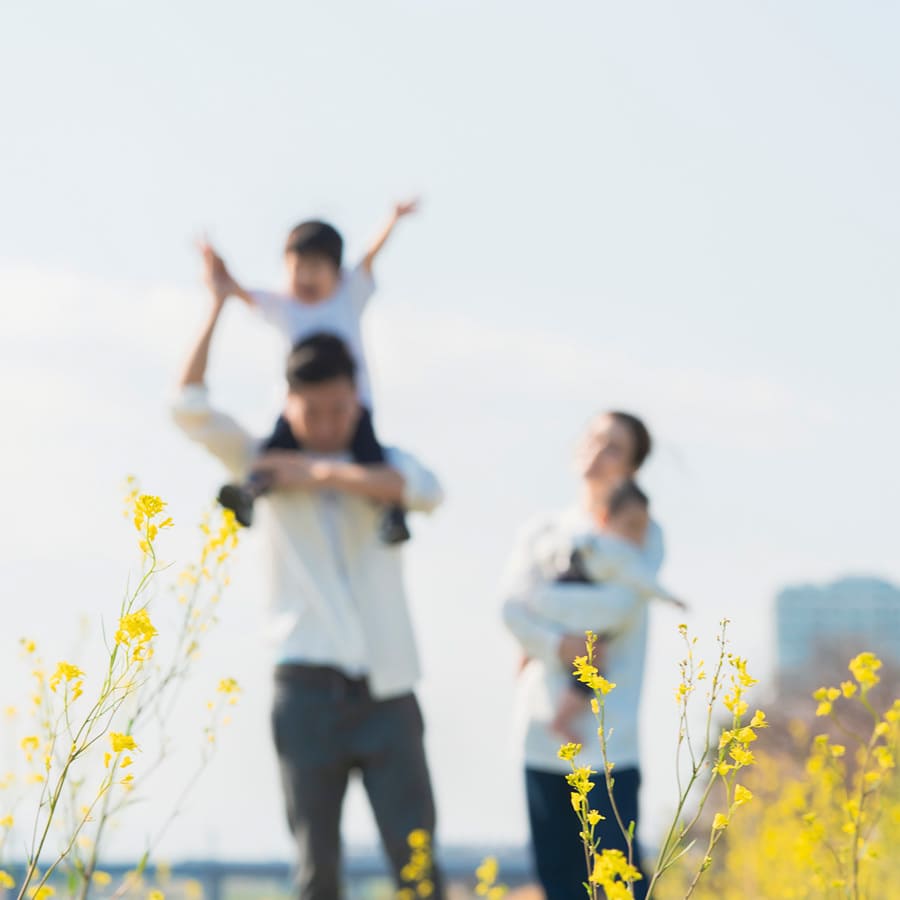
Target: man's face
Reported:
[(311, 278), (323, 417)]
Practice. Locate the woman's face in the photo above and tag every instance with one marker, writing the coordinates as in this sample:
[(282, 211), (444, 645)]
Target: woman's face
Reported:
[(606, 453)]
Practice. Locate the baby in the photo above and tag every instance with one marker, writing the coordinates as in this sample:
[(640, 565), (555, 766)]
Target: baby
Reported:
[(611, 555), (322, 297)]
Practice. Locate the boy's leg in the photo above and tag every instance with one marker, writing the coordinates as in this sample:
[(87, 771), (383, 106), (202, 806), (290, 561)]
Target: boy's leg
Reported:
[(367, 450), (239, 498), (282, 438), (396, 779)]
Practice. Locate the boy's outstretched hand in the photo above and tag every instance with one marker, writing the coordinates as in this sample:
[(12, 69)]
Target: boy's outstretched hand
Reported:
[(407, 208), (215, 273)]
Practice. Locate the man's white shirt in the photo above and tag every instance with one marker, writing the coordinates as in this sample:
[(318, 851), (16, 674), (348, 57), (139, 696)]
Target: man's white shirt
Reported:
[(336, 593)]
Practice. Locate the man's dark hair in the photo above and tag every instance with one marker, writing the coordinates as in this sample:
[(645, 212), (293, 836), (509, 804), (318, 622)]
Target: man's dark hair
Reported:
[(643, 443), (317, 359), (624, 496), (315, 238)]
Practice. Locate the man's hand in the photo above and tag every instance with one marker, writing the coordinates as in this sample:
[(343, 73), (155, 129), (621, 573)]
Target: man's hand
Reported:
[(292, 470), (572, 645)]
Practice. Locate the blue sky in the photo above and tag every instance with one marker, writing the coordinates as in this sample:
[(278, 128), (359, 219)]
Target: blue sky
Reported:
[(688, 211)]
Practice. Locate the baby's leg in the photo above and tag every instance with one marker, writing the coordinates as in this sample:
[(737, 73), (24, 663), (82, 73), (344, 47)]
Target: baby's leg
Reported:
[(572, 705)]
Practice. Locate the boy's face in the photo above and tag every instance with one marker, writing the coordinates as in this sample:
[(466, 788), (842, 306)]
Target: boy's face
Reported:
[(323, 417), (311, 278), (630, 524)]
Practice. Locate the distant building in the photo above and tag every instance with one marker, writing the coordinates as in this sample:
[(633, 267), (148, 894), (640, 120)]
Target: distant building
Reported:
[(815, 624)]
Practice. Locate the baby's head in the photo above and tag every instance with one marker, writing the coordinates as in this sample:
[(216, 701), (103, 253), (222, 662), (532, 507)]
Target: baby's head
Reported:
[(312, 254), (627, 514)]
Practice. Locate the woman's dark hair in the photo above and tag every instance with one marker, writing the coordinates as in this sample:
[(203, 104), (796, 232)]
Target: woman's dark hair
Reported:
[(643, 443), (319, 358), (624, 496), (315, 238)]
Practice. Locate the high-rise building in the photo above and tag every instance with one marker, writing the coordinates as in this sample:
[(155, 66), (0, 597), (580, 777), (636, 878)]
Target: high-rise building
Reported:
[(847, 616)]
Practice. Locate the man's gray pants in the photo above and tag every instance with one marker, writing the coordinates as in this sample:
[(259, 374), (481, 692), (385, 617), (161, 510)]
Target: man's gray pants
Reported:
[(326, 726)]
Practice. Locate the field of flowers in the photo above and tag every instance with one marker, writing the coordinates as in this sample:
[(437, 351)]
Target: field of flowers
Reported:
[(813, 815)]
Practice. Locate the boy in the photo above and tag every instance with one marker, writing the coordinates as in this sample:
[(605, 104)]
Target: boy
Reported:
[(322, 297), (611, 555)]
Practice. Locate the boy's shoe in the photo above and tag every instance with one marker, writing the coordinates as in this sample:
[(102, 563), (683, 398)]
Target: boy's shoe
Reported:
[(239, 500), (393, 528)]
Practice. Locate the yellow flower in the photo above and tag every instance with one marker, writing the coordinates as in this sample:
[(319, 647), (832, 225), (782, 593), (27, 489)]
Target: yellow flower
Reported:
[(7, 822), (848, 688), (720, 822), (487, 872), (121, 742), (29, 745), (28, 645), (594, 817), (740, 666), (741, 795), (156, 895), (589, 674), (228, 686), (6, 881), (722, 768), (759, 720), (742, 757), (135, 627), (101, 879), (569, 751), (41, 893), (864, 668), (64, 672), (193, 890)]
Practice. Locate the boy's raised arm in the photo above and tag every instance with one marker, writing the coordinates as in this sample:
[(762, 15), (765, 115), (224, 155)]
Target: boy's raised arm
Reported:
[(217, 277), (400, 211)]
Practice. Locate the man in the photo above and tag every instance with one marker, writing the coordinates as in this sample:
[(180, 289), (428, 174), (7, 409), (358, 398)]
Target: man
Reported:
[(346, 655)]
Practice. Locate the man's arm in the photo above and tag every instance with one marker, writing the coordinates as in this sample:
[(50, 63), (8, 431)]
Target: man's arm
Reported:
[(220, 434), (194, 372), (298, 471), (400, 210), (403, 481)]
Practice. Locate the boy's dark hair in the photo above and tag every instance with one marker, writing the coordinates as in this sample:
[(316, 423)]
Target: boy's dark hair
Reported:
[(315, 238), (317, 359), (624, 496), (643, 443)]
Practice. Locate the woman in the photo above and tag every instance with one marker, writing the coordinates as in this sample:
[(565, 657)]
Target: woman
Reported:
[(612, 451)]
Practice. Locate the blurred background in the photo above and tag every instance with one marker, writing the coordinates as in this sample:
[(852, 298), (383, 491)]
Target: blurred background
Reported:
[(685, 211)]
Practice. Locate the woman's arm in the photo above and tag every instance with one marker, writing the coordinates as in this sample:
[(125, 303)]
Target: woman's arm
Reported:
[(544, 615)]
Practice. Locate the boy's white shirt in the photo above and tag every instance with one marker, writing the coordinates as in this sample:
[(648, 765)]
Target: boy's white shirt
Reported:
[(340, 314), (336, 594), (529, 589)]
